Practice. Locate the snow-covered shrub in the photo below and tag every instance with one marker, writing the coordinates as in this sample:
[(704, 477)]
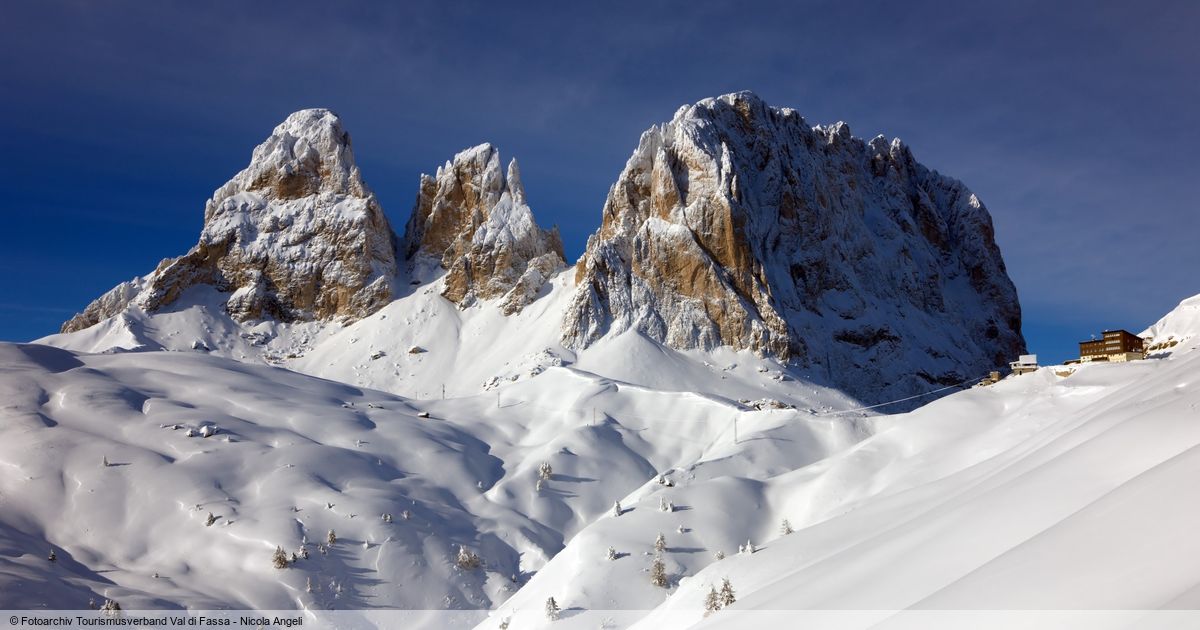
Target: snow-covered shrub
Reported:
[(665, 505), (538, 485), (658, 572), (208, 522), (552, 609), (279, 559), (660, 543), (331, 538), (720, 555), (785, 528), (52, 557), (111, 607), (545, 471), (610, 555), (616, 508), (467, 560)]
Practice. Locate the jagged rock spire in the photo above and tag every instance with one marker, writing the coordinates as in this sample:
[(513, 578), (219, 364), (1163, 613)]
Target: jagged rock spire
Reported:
[(474, 221)]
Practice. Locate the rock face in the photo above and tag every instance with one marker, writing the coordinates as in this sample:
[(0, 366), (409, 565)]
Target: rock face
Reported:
[(473, 220), (295, 236), (739, 224)]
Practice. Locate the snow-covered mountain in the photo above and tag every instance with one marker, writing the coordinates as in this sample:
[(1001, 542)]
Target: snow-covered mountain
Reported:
[(739, 224), (754, 282)]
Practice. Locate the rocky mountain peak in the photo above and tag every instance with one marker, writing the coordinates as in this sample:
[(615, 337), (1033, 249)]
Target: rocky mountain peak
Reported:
[(738, 224), (473, 220), (296, 235), (307, 154)]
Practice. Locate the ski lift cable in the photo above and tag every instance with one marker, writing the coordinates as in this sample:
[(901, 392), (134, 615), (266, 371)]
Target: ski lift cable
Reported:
[(900, 400)]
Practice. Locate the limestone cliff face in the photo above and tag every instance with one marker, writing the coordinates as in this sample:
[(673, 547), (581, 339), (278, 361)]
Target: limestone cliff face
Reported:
[(473, 220), (739, 224), (295, 236)]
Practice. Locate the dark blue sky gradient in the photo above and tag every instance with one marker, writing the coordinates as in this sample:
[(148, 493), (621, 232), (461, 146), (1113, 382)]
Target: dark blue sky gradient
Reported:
[(1076, 122)]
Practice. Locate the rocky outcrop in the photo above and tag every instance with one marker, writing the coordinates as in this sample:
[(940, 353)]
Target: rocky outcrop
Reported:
[(473, 221), (739, 224), (294, 236)]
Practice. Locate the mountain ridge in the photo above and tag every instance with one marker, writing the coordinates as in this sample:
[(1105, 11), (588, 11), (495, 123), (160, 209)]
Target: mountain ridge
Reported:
[(734, 224)]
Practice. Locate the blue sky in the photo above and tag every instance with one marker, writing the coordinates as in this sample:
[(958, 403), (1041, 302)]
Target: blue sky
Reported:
[(1075, 122)]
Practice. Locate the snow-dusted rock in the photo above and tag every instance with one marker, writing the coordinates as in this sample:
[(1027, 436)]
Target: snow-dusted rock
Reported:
[(474, 221), (1175, 328), (739, 224), (294, 236)]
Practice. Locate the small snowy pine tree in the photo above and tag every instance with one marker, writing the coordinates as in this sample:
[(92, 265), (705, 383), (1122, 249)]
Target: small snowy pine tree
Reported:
[(331, 538), (658, 572), (538, 485), (611, 554), (308, 587), (785, 528), (106, 464), (712, 601), (727, 597), (552, 609), (660, 543), (52, 557), (663, 506), (616, 508), (545, 471), (279, 559), (720, 555), (208, 522)]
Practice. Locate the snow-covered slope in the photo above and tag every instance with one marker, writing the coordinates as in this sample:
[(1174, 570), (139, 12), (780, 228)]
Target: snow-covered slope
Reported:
[(1065, 488), (1061, 489), (294, 456)]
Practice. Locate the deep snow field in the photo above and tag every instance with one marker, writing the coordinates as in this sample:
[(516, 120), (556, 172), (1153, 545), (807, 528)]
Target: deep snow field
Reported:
[(1068, 488)]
